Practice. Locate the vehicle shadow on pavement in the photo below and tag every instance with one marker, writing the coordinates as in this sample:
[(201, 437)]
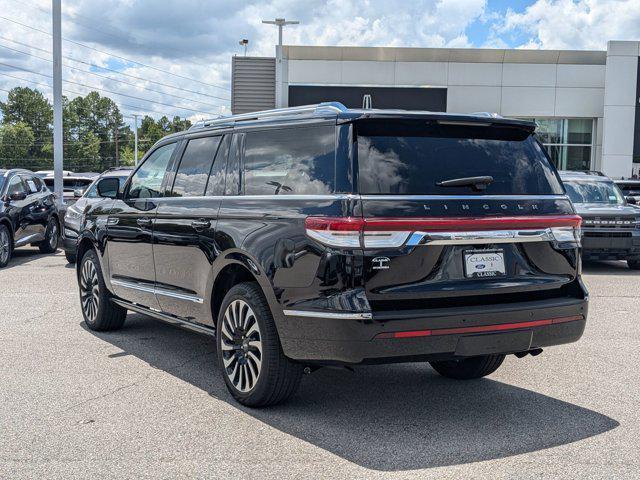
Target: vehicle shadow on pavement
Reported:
[(22, 256), (388, 418), (612, 267)]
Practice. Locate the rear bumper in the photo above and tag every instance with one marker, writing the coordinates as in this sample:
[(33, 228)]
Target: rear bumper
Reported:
[(436, 334), (612, 247)]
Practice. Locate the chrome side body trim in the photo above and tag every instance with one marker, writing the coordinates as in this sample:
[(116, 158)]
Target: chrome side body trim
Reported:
[(464, 197), (482, 237), (157, 291), (337, 315)]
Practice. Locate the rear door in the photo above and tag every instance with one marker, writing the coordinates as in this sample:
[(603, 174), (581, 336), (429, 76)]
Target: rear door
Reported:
[(457, 213), (184, 229), (130, 230)]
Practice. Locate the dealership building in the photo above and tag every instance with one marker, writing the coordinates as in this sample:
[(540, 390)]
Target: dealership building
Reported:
[(586, 103)]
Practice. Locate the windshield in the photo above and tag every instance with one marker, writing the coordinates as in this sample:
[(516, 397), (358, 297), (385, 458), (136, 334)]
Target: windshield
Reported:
[(606, 193), (422, 158)]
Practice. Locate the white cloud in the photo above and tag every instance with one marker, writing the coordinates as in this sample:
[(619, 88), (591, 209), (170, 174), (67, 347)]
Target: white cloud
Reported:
[(566, 24)]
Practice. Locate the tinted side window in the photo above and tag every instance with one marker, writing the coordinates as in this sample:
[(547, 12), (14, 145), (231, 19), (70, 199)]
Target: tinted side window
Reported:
[(32, 183), (15, 185), (193, 172), (290, 161), (216, 178), (146, 182)]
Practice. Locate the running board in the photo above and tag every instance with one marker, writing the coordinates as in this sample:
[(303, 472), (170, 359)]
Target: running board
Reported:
[(165, 317)]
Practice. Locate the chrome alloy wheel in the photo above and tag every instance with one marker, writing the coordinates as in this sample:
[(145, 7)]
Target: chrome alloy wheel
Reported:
[(241, 344), (89, 290), (5, 245)]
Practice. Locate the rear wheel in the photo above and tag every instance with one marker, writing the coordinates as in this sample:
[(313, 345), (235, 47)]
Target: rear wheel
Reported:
[(253, 365), (6, 245), (97, 309), (634, 264), (51, 237), (468, 368)]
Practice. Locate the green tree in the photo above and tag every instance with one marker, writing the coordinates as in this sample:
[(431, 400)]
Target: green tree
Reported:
[(32, 108), (15, 142), (89, 152)]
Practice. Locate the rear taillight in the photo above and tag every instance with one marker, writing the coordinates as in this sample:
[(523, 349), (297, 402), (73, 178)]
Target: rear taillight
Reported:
[(354, 232)]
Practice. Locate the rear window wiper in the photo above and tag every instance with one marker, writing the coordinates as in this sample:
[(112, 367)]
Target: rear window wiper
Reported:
[(477, 183)]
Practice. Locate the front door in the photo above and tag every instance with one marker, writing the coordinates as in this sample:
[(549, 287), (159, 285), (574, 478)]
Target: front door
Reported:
[(18, 210), (130, 230), (184, 248)]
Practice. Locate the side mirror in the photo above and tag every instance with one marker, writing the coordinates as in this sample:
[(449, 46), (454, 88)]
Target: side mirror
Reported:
[(78, 192), (17, 196), (108, 187), (631, 200)]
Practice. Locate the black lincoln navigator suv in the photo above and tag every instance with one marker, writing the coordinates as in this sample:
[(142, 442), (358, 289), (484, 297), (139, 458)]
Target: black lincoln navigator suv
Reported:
[(320, 235)]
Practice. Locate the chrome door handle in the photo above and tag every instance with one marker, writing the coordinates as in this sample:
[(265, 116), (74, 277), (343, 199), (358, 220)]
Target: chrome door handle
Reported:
[(144, 222), (201, 224)]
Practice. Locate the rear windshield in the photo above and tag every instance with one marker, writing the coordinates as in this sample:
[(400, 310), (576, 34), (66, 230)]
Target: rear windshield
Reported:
[(606, 193), (70, 184), (411, 158)]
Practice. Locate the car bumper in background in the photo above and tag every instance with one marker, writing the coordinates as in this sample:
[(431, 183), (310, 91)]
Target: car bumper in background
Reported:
[(434, 334), (610, 245)]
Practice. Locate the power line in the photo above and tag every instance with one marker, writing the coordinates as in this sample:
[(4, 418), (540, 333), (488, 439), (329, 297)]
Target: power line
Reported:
[(93, 65), (105, 90), (119, 35), (114, 79), (131, 107), (114, 55)]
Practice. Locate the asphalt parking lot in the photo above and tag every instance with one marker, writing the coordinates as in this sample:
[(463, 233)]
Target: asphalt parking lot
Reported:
[(148, 402)]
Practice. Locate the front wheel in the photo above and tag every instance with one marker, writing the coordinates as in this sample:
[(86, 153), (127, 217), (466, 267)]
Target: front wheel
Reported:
[(51, 237), (99, 312), (253, 365), (468, 368)]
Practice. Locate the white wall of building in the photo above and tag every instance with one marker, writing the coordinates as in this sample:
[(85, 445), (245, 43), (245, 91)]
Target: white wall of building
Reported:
[(619, 108)]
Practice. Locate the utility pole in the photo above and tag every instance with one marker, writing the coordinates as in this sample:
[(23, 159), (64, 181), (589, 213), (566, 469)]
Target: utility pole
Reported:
[(57, 101), (135, 138), (281, 98)]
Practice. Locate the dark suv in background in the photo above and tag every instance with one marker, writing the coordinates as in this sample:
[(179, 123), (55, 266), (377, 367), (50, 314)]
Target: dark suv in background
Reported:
[(28, 214), (74, 213), (610, 224), (321, 235)]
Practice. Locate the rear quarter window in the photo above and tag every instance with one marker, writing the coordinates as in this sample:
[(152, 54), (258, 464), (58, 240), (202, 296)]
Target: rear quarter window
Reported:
[(410, 158), (298, 160)]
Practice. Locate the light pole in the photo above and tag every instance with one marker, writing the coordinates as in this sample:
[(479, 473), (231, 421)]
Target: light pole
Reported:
[(57, 100), (281, 95), (244, 42), (135, 138), (280, 22)]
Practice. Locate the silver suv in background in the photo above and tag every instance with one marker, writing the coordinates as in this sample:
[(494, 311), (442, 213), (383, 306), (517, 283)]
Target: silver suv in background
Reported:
[(610, 224)]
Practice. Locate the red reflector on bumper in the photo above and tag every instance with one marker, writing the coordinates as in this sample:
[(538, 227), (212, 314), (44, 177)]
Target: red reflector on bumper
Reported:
[(479, 328)]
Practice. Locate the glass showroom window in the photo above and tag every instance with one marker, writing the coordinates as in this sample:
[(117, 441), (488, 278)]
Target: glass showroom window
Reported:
[(569, 141)]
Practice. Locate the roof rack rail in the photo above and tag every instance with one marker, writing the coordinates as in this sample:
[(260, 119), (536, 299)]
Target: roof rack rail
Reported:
[(317, 109)]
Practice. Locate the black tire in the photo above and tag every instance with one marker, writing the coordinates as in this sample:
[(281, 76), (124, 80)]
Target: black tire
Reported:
[(70, 256), (6, 245), (468, 368), (51, 237), (634, 264), (99, 312), (250, 344)]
